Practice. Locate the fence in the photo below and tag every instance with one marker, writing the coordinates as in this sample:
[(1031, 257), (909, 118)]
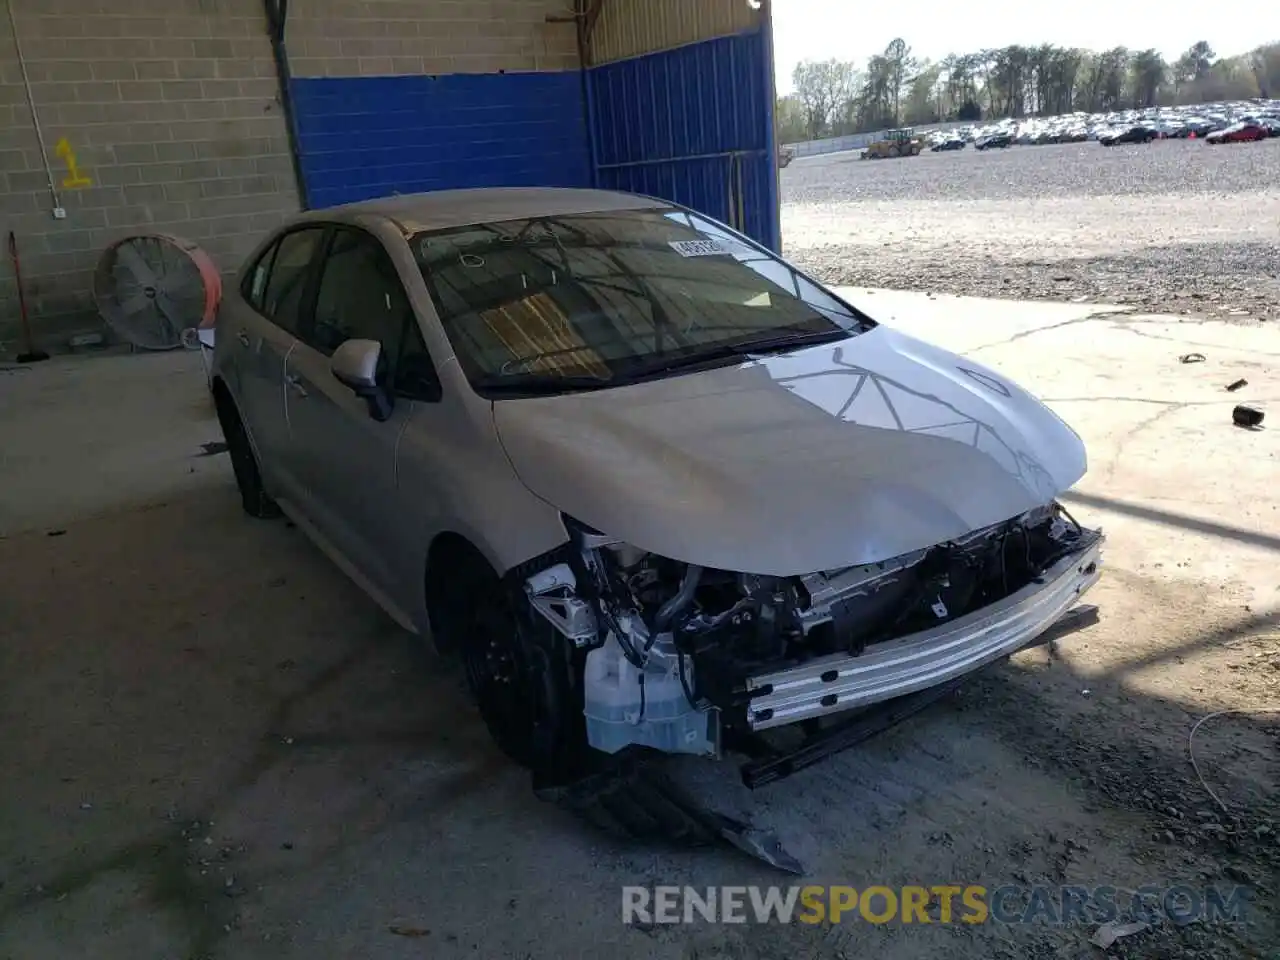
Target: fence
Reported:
[(856, 141)]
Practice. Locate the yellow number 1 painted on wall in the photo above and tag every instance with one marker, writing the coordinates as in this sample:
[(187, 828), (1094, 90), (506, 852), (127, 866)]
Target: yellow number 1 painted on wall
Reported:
[(75, 178)]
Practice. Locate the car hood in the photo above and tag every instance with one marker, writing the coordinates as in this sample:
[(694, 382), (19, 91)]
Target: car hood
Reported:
[(823, 458)]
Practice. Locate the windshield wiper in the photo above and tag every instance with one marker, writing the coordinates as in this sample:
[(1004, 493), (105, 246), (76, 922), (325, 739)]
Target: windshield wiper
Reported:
[(719, 352), (790, 341), (540, 384)]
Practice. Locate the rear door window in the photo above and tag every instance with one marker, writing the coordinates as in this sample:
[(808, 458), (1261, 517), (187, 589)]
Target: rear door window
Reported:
[(286, 283), (255, 284)]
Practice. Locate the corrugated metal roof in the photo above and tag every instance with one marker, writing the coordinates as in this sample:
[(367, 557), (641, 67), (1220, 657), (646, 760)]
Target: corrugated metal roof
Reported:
[(628, 28)]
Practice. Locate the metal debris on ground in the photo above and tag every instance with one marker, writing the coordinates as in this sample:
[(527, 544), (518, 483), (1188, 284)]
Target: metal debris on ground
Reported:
[(1243, 416), (634, 799), (1191, 752), (1109, 933), (1192, 358), (1236, 385), (400, 931)]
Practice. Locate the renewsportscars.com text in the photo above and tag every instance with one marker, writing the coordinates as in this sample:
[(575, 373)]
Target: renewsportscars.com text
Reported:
[(937, 903)]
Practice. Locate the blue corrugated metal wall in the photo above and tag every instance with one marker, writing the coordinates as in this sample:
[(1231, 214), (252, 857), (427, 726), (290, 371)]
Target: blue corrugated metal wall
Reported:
[(694, 125), (363, 137)]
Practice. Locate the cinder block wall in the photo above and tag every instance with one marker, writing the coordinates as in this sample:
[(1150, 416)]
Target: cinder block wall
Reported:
[(170, 110), (369, 38)]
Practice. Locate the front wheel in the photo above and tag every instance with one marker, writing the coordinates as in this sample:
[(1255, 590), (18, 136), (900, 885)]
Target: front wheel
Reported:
[(521, 673)]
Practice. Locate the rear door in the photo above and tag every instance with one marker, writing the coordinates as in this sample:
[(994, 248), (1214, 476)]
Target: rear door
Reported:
[(276, 291), (346, 458)]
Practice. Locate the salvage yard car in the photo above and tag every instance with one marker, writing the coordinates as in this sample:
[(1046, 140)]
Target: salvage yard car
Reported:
[(999, 140), (654, 486), (1135, 133), (1243, 132), (947, 141)]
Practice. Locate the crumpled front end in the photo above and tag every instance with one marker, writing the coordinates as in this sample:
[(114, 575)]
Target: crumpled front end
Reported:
[(929, 657), (684, 659)]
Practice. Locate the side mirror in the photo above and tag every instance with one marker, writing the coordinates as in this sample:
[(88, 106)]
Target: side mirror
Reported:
[(355, 364)]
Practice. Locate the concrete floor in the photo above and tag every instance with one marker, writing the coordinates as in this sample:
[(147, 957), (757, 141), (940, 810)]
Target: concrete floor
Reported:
[(216, 746)]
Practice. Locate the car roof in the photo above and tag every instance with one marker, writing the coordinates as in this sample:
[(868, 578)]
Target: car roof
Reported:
[(440, 209)]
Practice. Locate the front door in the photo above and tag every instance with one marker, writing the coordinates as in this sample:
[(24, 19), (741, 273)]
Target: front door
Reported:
[(346, 457)]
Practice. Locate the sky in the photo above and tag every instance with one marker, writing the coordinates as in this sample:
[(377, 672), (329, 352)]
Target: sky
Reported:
[(853, 30)]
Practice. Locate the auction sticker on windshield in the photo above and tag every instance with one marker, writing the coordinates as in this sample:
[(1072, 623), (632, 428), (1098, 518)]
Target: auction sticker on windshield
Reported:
[(698, 248)]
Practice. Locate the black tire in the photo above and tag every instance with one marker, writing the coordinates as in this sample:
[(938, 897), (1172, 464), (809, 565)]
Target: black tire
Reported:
[(523, 675), (253, 496)]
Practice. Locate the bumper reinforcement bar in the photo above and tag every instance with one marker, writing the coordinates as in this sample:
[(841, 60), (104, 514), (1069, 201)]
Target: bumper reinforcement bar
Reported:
[(920, 661), (770, 766)]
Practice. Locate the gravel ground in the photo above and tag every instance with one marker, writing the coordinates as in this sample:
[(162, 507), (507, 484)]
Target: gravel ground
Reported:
[(1174, 225)]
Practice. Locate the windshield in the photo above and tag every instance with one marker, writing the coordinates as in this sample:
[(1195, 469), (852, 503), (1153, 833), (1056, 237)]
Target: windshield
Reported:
[(583, 301)]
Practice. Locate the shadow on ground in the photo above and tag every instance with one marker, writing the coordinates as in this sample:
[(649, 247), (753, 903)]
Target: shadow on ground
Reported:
[(218, 746)]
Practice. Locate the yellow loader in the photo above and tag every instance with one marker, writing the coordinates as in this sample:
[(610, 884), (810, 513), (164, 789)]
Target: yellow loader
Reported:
[(895, 143)]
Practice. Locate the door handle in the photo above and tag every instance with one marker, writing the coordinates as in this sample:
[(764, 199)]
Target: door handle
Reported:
[(295, 382), (243, 338)]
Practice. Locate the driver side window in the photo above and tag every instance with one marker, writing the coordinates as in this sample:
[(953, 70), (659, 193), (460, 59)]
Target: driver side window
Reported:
[(360, 296)]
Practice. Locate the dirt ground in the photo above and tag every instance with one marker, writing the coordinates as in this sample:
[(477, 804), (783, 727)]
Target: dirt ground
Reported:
[(1175, 226), (215, 746)]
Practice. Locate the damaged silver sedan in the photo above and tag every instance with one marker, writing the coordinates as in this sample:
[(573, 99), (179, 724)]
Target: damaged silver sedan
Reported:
[(659, 490)]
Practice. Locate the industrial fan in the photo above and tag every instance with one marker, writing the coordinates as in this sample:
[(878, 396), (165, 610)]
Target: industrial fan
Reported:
[(152, 288)]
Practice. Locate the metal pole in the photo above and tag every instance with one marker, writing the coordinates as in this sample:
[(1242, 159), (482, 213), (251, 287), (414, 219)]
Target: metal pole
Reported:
[(771, 108), (277, 17), (588, 96), (31, 104)]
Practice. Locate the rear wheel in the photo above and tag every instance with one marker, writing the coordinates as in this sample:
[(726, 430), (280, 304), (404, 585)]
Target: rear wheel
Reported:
[(253, 496)]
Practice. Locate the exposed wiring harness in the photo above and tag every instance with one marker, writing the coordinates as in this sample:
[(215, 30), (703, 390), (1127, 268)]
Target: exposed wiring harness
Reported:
[(592, 582)]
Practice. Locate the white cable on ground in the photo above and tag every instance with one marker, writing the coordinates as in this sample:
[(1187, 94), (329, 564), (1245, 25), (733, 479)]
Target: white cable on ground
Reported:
[(1191, 748)]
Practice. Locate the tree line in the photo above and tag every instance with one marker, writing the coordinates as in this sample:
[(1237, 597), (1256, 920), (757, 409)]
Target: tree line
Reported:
[(894, 88)]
